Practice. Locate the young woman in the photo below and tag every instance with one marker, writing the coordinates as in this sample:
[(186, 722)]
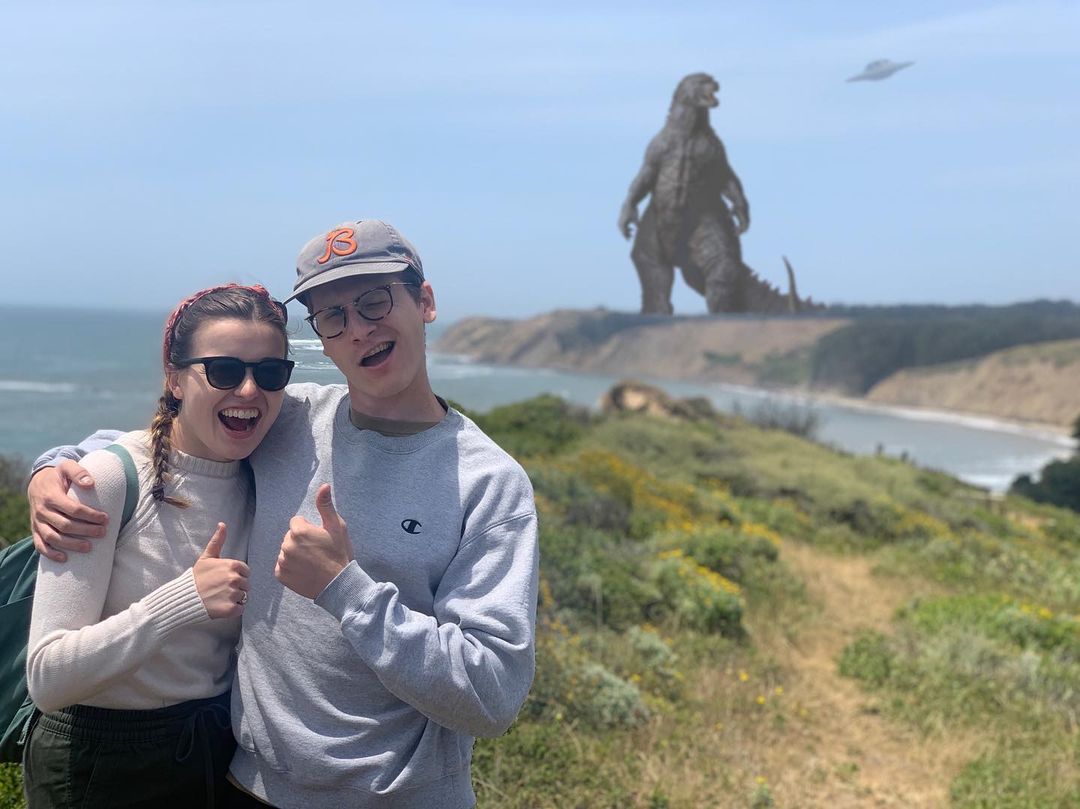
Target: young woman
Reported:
[(132, 646)]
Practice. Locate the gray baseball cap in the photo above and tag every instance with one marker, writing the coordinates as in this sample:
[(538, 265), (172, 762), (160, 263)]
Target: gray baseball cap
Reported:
[(364, 247)]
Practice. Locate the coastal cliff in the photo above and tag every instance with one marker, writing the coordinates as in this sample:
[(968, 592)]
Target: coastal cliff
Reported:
[(1029, 383), (748, 350), (849, 354)]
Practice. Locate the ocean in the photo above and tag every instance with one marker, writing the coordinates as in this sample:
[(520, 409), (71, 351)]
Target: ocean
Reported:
[(66, 372)]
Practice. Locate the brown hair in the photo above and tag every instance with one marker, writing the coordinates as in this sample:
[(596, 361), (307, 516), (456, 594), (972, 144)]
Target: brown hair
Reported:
[(226, 302)]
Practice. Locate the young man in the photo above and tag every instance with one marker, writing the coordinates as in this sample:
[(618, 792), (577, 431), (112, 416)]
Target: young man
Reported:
[(393, 559)]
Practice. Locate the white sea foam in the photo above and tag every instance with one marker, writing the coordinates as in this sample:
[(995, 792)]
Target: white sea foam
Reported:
[(456, 366), (27, 386), (972, 421)]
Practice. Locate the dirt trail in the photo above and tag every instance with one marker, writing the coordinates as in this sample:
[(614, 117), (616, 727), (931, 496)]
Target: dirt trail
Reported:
[(842, 752)]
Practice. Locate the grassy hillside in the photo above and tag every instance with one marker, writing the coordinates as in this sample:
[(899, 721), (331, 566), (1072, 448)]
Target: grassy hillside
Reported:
[(735, 617)]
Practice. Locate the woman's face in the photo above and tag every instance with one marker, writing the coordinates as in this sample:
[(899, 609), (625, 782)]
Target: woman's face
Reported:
[(225, 425)]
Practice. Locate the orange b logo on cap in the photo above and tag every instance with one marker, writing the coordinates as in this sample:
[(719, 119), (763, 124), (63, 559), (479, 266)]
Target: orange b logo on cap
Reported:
[(344, 236)]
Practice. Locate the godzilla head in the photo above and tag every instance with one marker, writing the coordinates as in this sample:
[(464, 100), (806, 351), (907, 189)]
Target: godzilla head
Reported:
[(696, 90)]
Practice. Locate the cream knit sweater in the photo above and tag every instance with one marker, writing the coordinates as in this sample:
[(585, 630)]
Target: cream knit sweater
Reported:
[(123, 626)]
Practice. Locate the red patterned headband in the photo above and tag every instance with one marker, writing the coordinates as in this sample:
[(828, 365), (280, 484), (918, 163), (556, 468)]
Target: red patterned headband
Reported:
[(182, 307)]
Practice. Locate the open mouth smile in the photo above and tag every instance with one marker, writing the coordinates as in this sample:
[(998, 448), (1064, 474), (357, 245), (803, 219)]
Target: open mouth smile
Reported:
[(240, 421), (377, 355)]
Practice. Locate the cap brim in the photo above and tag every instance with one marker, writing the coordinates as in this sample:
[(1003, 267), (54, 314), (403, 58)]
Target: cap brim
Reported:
[(347, 271)]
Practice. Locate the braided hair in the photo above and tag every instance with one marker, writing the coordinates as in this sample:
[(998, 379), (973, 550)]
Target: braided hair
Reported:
[(228, 301)]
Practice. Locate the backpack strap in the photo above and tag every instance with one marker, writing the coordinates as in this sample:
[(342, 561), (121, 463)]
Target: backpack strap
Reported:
[(131, 477)]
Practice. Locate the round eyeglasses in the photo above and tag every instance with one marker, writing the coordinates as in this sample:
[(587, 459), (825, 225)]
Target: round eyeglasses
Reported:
[(373, 305), (226, 373)]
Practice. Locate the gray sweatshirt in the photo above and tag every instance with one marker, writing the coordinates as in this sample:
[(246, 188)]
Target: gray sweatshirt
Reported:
[(371, 695)]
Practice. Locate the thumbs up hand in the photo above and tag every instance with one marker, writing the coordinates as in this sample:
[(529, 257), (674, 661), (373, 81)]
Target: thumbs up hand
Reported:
[(222, 583), (313, 555)]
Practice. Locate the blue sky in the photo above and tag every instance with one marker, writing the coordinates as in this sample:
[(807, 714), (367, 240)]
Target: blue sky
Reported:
[(152, 149)]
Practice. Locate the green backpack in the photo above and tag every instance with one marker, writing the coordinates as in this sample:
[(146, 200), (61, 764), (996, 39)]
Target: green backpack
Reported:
[(18, 573)]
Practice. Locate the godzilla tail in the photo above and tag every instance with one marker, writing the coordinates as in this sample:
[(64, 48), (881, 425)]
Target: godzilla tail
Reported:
[(793, 301), (761, 296)]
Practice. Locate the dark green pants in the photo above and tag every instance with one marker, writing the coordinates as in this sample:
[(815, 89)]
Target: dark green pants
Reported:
[(90, 757)]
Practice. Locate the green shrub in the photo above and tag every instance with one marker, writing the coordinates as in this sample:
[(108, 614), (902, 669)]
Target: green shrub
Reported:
[(1058, 484), (868, 658), (609, 701), (11, 787), (796, 419), (698, 598), (615, 591), (540, 426), (572, 684), (655, 666), (873, 521), (1025, 625), (728, 552), (577, 503), (973, 659), (596, 578), (14, 517)]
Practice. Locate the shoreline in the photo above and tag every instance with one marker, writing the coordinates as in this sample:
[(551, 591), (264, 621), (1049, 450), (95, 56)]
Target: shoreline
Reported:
[(1048, 432), (1052, 433)]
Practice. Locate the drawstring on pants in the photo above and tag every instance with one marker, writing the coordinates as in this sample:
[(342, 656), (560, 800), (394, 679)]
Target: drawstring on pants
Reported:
[(195, 732)]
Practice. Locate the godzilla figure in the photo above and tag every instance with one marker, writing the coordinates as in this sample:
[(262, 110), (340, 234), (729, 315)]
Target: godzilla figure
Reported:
[(687, 223)]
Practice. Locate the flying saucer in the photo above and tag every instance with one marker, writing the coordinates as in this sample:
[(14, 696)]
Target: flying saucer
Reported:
[(880, 69)]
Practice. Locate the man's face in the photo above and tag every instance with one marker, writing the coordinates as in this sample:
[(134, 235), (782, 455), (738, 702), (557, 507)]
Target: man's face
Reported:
[(384, 361)]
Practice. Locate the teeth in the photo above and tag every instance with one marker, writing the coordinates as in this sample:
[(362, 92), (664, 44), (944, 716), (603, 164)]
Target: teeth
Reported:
[(240, 412), (378, 348)]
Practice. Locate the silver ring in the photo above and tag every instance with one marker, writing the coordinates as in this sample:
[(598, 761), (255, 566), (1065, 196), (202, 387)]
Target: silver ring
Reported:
[(243, 598)]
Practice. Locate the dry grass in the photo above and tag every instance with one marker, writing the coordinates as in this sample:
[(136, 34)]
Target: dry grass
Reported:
[(775, 716)]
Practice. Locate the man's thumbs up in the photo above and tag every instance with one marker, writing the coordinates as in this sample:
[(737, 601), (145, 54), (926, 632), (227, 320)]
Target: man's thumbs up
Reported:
[(222, 584), (312, 556), (324, 504)]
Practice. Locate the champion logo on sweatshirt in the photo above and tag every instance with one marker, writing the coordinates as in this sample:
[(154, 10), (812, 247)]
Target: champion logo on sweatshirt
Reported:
[(411, 526)]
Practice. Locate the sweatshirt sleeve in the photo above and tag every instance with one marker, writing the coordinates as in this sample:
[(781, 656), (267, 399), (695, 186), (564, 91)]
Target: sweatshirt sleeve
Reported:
[(469, 666), (73, 653), (98, 440)]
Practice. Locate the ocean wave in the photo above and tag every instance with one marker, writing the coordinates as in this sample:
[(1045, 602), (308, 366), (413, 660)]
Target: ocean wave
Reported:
[(27, 386), (315, 365), (456, 366)]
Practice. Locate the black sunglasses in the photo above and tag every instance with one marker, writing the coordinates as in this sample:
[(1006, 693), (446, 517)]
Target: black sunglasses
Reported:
[(226, 373)]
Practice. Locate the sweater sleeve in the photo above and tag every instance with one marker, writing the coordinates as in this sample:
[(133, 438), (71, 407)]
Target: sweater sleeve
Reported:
[(469, 666), (73, 653)]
